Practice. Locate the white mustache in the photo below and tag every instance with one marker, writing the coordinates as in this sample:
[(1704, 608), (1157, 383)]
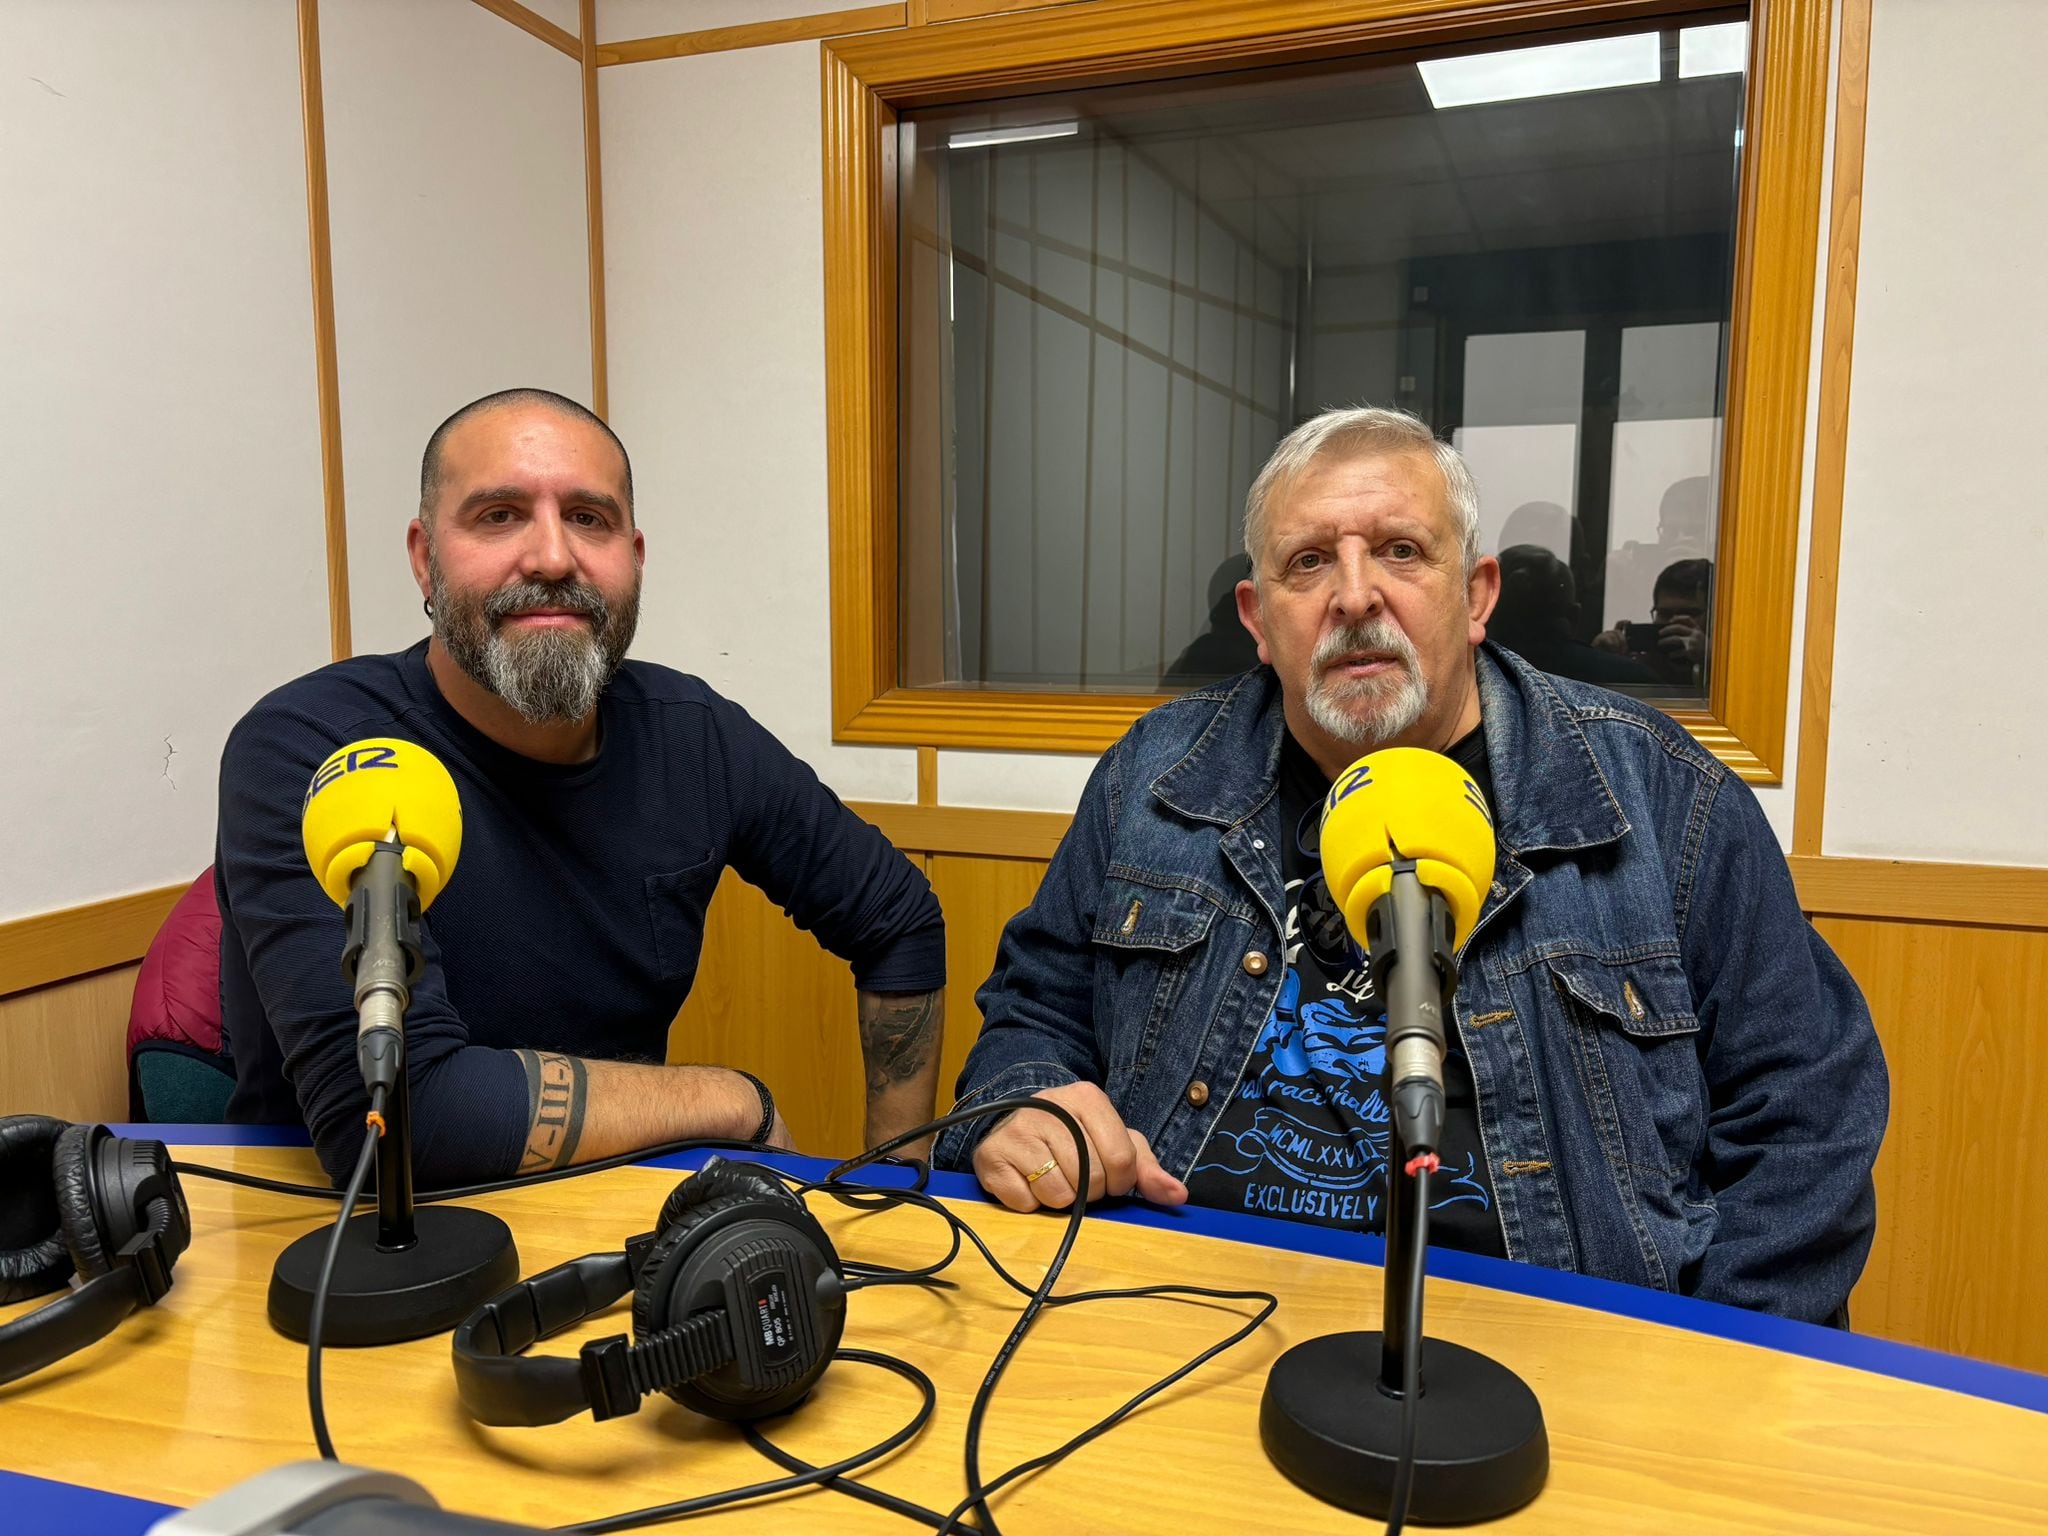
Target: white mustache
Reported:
[(1370, 635)]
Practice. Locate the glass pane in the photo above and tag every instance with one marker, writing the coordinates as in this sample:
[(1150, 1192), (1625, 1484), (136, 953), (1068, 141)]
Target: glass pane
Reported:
[(1115, 301)]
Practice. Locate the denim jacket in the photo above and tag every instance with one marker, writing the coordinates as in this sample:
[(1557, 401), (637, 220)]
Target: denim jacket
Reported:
[(1678, 1084)]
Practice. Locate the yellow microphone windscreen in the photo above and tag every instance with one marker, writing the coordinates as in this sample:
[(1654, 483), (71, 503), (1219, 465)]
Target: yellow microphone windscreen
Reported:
[(1410, 803), (360, 793)]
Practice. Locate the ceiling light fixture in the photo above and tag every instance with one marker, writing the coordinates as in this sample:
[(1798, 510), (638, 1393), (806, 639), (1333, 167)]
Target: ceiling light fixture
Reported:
[(982, 138), (1722, 49), (1558, 69)]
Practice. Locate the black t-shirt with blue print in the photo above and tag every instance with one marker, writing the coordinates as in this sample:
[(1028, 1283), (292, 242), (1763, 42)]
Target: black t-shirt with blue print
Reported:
[(1306, 1133)]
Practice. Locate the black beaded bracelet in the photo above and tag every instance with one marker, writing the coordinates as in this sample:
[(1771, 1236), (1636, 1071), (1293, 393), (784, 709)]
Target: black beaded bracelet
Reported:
[(767, 1106)]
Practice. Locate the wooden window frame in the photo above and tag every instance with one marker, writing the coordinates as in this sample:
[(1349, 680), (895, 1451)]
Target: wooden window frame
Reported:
[(869, 80)]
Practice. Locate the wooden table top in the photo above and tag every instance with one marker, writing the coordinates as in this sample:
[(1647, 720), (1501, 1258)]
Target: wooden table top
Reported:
[(1683, 1416)]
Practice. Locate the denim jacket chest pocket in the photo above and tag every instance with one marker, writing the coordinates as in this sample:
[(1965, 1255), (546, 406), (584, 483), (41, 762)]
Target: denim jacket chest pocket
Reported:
[(676, 904), (1633, 1043), (1148, 938)]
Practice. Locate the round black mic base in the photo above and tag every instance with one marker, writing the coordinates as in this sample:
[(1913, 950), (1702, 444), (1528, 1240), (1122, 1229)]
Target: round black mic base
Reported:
[(1480, 1449), (462, 1259)]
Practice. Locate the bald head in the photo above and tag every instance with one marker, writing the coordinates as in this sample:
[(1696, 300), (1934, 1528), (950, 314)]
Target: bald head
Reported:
[(509, 399)]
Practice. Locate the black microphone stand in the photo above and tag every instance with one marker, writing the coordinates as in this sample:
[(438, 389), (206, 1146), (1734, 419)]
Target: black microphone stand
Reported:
[(1332, 1411), (405, 1271)]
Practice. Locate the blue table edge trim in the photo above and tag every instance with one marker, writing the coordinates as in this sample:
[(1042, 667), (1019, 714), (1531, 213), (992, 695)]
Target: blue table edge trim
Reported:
[(26, 1494)]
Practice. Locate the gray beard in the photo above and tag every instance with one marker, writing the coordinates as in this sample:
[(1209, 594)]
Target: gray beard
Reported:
[(553, 677), (1365, 712)]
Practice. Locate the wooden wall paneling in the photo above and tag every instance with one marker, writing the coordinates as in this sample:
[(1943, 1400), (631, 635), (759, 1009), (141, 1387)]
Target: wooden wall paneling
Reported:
[(59, 946), (593, 210), (1777, 239), (326, 368), (959, 829), (863, 552), (979, 896), (930, 12), (1995, 895), (1831, 439), (769, 999), (754, 34), (1962, 1181), (63, 1048)]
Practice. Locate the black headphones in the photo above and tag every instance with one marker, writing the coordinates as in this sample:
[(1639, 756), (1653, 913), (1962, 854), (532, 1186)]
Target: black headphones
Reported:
[(738, 1304), (77, 1199)]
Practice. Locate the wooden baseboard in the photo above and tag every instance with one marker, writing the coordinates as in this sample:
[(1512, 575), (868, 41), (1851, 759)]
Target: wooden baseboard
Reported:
[(1984, 895), (56, 946), (957, 829), (1913, 890)]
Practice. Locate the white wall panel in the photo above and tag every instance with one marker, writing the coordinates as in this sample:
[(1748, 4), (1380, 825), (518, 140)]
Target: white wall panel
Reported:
[(563, 13), (1940, 730), (714, 275), (455, 189), (1014, 781), (157, 423)]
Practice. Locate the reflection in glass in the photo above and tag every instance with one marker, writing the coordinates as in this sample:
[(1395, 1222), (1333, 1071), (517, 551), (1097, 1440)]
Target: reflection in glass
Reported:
[(1113, 302)]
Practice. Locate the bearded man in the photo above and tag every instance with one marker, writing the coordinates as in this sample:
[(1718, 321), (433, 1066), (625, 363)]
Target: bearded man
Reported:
[(1657, 1071), (601, 800)]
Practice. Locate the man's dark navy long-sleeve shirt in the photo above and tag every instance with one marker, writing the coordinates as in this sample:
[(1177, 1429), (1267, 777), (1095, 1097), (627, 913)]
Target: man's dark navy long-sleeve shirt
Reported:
[(575, 916)]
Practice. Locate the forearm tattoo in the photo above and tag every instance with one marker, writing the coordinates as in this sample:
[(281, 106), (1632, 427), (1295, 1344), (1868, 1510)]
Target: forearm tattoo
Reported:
[(899, 1035), (557, 1096)]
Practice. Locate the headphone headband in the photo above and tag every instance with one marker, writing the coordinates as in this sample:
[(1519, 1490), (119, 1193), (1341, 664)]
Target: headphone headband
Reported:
[(497, 1385), (67, 1325)]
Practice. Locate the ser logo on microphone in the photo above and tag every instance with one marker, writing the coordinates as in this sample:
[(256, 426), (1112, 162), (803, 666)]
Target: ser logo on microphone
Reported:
[(1477, 801), (1358, 776), (348, 760)]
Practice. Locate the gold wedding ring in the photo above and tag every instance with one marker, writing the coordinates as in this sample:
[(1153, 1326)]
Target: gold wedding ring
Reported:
[(1041, 1170)]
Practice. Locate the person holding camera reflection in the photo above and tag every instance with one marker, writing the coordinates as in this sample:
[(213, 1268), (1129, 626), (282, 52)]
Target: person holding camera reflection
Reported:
[(1535, 616), (1673, 645)]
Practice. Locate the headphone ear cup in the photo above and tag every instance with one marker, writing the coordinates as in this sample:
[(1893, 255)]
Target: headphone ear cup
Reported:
[(688, 1267), (650, 1290), (137, 1190), (71, 1178), (33, 1259), (721, 1186)]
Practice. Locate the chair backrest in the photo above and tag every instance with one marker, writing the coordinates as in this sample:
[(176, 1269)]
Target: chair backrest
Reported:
[(176, 1069)]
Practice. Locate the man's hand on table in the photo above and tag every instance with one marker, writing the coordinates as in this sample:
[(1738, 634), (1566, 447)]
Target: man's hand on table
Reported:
[(1120, 1160)]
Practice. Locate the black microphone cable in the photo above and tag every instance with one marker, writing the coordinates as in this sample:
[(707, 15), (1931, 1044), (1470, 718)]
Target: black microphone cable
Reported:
[(819, 1475), (488, 1187), (961, 1229), (315, 1397), (867, 1197), (1411, 1348), (809, 1477), (1038, 1297), (881, 1197)]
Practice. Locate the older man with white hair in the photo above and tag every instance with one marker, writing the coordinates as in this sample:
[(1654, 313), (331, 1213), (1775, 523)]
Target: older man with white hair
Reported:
[(1657, 1071)]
